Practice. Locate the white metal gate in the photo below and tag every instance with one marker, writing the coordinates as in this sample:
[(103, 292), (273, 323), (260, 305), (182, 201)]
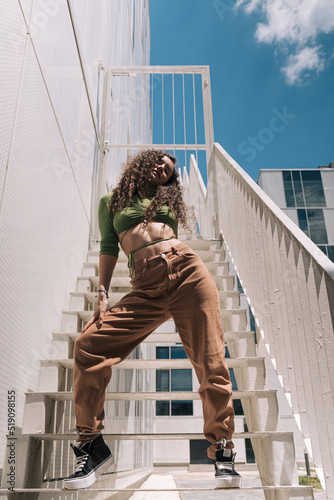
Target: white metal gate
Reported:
[(165, 107)]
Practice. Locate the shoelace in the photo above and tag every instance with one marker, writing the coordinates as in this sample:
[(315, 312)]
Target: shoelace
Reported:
[(81, 461)]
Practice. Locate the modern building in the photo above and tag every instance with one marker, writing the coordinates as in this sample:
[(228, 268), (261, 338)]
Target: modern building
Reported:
[(307, 197)]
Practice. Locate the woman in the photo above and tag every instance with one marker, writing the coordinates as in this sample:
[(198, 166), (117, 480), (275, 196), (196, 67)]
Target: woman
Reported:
[(168, 280)]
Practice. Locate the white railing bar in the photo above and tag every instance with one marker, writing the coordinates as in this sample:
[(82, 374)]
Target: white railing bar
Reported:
[(130, 70), (194, 101), (151, 75), (101, 180), (162, 109), (184, 115), (173, 94), (201, 147), (298, 234)]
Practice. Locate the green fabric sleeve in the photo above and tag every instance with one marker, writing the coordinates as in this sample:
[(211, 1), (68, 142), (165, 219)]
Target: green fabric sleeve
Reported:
[(109, 240)]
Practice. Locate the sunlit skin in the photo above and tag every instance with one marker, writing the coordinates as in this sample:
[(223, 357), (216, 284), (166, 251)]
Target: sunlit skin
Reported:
[(162, 171), (150, 231), (137, 236)]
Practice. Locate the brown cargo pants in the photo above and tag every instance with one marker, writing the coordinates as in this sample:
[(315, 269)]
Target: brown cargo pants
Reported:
[(173, 284)]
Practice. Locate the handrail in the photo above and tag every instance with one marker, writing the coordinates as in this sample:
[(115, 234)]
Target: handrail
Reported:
[(304, 240), (289, 285)]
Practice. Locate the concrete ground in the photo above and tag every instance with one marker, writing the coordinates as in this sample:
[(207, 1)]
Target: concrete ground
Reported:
[(195, 479)]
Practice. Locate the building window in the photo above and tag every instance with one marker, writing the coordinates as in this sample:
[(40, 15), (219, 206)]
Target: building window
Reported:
[(312, 222), (330, 252), (250, 456), (238, 410), (303, 188), (173, 380)]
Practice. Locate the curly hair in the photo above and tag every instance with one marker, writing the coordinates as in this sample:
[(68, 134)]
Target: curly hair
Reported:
[(134, 182)]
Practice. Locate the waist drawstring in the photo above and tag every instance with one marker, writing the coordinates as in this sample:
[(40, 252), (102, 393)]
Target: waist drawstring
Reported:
[(131, 254)]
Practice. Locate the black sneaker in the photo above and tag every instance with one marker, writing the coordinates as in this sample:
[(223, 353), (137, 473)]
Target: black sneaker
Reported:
[(93, 458), (226, 476)]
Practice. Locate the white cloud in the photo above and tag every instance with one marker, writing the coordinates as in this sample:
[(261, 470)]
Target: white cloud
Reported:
[(307, 60), (295, 24)]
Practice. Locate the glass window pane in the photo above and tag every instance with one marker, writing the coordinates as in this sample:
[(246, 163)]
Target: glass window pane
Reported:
[(323, 248), (289, 197), (315, 215), (162, 352), (198, 451), (296, 175), (233, 380), (178, 352), (301, 215), (237, 407), (286, 176), (299, 195), (314, 194), (311, 175), (330, 251), (303, 225), (182, 408), (162, 380), (319, 236), (162, 408), (181, 380), (317, 226)]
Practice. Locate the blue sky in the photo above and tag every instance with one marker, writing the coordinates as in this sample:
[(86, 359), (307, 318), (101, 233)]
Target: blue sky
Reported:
[(272, 76)]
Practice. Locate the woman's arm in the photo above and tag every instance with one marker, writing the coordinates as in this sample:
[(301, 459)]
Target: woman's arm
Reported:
[(107, 265)]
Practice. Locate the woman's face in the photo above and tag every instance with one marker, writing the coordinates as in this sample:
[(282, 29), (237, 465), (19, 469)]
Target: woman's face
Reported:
[(162, 171)]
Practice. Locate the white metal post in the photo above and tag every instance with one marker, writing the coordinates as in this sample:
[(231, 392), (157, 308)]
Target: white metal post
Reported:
[(101, 175), (212, 196)]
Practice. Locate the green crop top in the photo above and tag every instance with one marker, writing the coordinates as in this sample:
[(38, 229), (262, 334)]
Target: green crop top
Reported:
[(130, 216)]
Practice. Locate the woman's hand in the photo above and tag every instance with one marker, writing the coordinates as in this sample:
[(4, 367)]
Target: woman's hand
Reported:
[(100, 309)]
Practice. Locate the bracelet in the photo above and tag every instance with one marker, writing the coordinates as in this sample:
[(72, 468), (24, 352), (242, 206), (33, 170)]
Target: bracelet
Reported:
[(104, 291)]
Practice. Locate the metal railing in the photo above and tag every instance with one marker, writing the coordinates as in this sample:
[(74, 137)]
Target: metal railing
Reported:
[(289, 284), (162, 107)]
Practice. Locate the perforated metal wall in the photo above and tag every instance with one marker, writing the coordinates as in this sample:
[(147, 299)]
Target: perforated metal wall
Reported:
[(48, 148)]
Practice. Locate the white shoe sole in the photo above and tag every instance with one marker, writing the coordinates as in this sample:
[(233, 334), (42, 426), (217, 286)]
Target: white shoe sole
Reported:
[(84, 482), (228, 482)]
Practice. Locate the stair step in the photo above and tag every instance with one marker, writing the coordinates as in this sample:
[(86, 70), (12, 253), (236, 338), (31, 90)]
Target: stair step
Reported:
[(188, 238), (300, 492), (250, 372), (157, 364), (163, 337), (275, 435), (150, 396), (92, 269), (80, 300), (206, 254), (88, 283), (236, 319), (240, 344)]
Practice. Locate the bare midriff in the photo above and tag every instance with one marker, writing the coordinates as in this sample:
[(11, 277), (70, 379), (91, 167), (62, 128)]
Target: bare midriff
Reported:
[(147, 232)]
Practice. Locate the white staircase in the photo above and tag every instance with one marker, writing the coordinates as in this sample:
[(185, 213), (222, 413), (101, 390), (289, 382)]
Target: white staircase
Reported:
[(43, 447)]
